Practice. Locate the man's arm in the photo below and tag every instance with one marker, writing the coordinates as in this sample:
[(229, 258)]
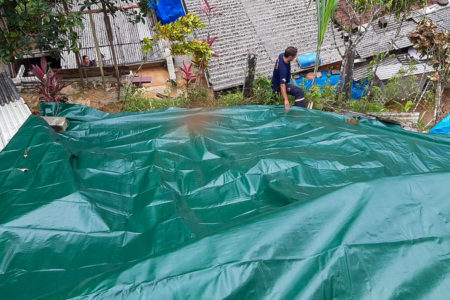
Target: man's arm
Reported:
[(287, 105)]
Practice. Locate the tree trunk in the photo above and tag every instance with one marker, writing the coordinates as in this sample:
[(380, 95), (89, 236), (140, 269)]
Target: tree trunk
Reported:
[(111, 45), (438, 96), (341, 74), (348, 72), (97, 48), (80, 72), (250, 76)]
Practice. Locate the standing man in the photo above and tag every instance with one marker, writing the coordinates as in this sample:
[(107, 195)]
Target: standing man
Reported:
[(282, 77)]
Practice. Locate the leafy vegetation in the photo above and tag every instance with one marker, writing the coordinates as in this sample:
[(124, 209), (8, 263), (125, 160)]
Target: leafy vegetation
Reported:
[(263, 94), (177, 34), (50, 84), (35, 24), (401, 87), (434, 44), (403, 107), (357, 17), (364, 106), (135, 101), (48, 25), (230, 99), (188, 73), (325, 12)]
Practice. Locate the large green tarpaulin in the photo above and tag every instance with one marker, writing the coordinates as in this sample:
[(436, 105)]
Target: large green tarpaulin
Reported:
[(236, 203)]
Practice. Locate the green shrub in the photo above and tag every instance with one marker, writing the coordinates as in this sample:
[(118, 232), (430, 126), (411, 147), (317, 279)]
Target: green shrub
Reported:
[(363, 106), (145, 104), (403, 107), (198, 95), (135, 100), (322, 97), (402, 87), (230, 99), (264, 95)]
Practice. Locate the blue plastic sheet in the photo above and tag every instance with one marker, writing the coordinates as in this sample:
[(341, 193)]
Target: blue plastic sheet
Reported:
[(359, 88), (168, 11), (321, 82), (443, 127)]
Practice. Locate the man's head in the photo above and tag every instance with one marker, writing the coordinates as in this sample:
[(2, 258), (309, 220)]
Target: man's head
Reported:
[(290, 53), (85, 58)]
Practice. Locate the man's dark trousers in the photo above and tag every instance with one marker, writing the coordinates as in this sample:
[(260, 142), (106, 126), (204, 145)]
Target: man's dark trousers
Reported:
[(298, 94)]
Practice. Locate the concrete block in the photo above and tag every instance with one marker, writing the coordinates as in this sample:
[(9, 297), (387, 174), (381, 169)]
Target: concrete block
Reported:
[(59, 124), (407, 118), (170, 65)]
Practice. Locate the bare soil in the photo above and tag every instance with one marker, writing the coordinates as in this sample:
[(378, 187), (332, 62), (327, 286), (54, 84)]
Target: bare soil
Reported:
[(91, 97), (108, 100), (428, 108)]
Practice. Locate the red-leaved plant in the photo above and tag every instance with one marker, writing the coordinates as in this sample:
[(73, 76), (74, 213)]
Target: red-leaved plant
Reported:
[(209, 12), (208, 9), (51, 84), (210, 43), (188, 74)]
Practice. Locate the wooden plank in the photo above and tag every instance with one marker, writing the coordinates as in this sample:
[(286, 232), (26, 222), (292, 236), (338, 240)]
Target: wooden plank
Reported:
[(92, 72), (139, 80)]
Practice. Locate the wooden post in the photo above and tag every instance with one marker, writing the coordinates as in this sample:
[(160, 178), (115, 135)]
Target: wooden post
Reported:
[(77, 54), (80, 72), (111, 45), (97, 48), (250, 74)]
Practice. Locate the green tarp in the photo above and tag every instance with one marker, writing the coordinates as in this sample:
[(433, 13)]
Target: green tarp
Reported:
[(236, 203)]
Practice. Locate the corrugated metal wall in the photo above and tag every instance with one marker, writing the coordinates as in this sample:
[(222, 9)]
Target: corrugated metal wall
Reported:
[(13, 110), (12, 117), (127, 41)]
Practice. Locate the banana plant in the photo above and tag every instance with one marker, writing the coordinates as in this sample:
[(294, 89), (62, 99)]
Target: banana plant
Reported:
[(325, 12)]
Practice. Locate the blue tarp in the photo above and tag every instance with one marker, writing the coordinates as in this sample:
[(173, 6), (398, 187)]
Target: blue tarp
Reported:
[(168, 11), (359, 88), (443, 127)]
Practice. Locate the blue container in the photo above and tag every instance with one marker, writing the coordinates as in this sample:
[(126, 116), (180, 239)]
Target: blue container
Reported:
[(308, 60)]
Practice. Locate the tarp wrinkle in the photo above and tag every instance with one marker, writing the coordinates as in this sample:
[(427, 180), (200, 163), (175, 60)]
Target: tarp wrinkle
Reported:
[(235, 203)]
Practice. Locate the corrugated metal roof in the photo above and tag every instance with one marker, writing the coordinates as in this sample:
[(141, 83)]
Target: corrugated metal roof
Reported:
[(378, 39), (360, 70), (390, 67), (265, 26), (439, 15), (127, 41), (389, 71), (13, 110), (8, 91)]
